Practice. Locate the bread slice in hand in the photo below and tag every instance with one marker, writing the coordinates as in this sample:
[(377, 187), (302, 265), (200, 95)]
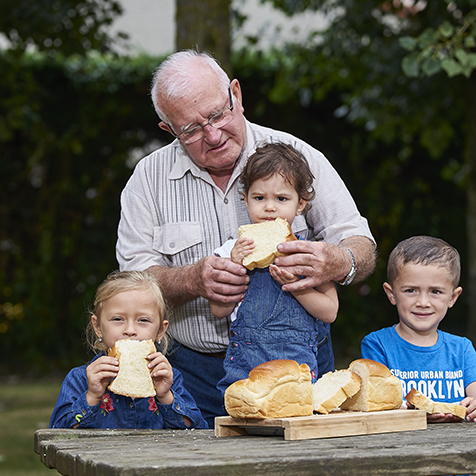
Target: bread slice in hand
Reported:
[(266, 237), (422, 402), (380, 390), (133, 379), (334, 388), (274, 389)]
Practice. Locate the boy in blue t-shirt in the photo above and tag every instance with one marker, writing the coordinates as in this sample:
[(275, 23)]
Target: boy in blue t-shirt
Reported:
[(423, 276)]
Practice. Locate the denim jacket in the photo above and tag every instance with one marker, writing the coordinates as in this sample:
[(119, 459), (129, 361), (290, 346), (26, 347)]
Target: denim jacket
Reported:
[(118, 411)]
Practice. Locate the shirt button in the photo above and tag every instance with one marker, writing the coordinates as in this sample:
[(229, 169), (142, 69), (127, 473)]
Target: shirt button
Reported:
[(232, 333), (172, 244), (226, 201), (230, 238)]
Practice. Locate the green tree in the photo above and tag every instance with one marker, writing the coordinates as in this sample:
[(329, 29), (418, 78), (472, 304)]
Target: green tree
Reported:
[(205, 24), (65, 135), (410, 146), (451, 47), (66, 26)]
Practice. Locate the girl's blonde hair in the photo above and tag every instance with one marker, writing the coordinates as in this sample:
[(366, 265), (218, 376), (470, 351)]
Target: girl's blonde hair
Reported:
[(119, 282)]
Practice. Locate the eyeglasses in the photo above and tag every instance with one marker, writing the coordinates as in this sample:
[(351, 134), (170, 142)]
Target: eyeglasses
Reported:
[(218, 120)]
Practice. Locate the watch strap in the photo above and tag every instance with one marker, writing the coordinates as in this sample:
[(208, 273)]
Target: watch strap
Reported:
[(353, 270)]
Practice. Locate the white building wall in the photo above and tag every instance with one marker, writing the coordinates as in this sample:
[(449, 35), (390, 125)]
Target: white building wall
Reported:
[(151, 24)]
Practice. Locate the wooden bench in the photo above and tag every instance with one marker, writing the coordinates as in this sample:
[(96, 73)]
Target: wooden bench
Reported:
[(441, 449)]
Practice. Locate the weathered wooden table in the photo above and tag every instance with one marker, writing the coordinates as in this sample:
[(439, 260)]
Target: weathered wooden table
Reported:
[(440, 449)]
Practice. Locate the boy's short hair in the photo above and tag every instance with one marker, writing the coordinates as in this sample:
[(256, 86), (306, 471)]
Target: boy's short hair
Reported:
[(424, 250), (284, 159)]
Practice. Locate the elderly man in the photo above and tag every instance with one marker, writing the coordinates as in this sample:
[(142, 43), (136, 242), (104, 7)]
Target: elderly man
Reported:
[(183, 201)]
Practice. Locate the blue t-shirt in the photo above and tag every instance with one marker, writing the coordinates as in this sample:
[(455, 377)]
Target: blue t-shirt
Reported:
[(441, 371), (118, 411)]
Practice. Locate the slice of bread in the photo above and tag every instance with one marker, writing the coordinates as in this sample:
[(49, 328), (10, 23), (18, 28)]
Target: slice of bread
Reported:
[(380, 390), (266, 237), (333, 388), (133, 379), (422, 402)]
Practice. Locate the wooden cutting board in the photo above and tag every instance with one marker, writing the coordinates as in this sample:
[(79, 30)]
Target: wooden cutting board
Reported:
[(337, 423)]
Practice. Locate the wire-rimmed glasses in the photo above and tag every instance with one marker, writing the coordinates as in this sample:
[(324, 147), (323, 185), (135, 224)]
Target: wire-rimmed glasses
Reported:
[(218, 120)]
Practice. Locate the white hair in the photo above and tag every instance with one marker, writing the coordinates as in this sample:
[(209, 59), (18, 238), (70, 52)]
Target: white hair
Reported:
[(174, 77)]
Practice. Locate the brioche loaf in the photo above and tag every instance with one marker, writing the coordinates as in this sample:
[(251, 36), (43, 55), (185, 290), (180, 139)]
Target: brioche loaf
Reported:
[(333, 388), (422, 402), (379, 390), (274, 389), (266, 237), (133, 379)]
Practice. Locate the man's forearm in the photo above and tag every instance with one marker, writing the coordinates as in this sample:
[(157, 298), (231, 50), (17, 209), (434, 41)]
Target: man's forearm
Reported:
[(365, 253), (177, 284)]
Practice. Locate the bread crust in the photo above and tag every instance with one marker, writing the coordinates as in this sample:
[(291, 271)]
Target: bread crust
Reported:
[(266, 236), (380, 390), (274, 389), (422, 402), (133, 379)]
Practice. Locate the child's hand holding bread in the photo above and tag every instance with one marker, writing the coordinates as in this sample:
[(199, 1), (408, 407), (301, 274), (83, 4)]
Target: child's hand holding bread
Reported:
[(99, 374), (162, 377)]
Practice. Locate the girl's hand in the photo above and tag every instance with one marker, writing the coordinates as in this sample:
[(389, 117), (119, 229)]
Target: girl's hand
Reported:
[(162, 376), (470, 404), (99, 373), (281, 275), (243, 247)]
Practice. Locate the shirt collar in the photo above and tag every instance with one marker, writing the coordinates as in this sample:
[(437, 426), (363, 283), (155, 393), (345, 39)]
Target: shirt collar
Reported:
[(183, 163)]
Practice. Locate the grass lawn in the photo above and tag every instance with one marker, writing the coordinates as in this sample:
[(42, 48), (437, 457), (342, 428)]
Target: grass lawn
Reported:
[(24, 408)]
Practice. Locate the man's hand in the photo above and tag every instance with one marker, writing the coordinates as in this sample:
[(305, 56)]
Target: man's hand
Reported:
[(219, 279), (214, 278), (318, 262)]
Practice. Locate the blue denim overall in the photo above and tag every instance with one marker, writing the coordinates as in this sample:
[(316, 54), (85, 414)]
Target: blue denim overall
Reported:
[(271, 324)]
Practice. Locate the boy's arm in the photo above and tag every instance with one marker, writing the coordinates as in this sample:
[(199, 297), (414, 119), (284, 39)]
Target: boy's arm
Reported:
[(321, 302), (470, 402)]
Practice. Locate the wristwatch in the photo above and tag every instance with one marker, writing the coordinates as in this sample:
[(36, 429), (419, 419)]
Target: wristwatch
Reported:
[(350, 277)]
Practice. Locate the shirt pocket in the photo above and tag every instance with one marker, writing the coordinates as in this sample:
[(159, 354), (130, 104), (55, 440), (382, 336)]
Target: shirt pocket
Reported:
[(174, 238)]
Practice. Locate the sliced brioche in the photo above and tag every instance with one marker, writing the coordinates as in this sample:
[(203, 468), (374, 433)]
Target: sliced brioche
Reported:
[(333, 388), (133, 379), (379, 390), (274, 389), (422, 402), (266, 237)]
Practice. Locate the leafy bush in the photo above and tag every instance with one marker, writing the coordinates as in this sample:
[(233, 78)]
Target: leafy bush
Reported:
[(71, 130)]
